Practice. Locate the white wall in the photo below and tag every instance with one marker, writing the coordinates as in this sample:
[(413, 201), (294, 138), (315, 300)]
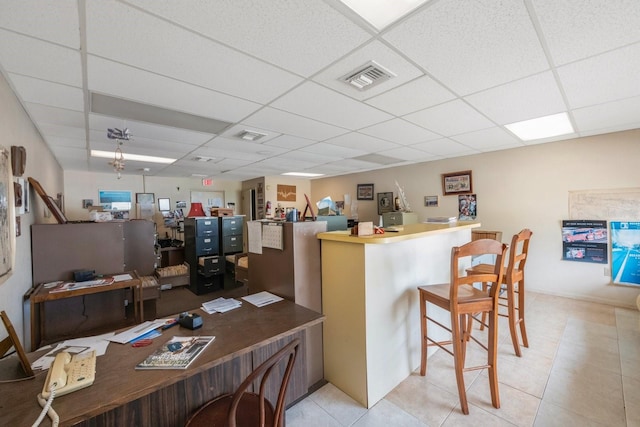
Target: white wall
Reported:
[(526, 187), (17, 129)]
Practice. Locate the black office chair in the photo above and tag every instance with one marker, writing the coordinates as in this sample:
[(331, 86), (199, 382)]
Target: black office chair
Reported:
[(244, 408)]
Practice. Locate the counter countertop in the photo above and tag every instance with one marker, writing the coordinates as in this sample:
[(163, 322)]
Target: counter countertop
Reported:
[(404, 232)]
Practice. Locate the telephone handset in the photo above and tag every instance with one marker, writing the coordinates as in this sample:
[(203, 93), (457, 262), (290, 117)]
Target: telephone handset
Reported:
[(70, 373)]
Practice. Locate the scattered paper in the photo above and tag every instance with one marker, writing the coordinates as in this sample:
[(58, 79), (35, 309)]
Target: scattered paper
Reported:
[(220, 305), (85, 345), (137, 331), (262, 298), (122, 277)]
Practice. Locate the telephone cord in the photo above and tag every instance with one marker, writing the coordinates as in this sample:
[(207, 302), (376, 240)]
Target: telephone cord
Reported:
[(47, 409)]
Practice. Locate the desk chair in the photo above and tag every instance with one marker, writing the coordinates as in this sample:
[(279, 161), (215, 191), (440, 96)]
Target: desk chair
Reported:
[(461, 299), (513, 283), (245, 408)]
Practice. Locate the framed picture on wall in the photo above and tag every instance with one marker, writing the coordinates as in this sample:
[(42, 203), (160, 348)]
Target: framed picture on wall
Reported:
[(457, 183), (385, 202), (365, 192), (145, 198)]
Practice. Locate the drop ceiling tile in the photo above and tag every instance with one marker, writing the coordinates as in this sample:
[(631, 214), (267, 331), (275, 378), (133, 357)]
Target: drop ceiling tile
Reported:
[(576, 29), (408, 153), (233, 132), (309, 34), (390, 60), (52, 20), (488, 139), (285, 164), (353, 165), (525, 99), (332, 150), (142, 86), (451, 118), (603, 78), (325, 105), (444, 147), (290, 142), (157, 151), (155, 45), (47, 93), (618, 115), (362, 142), (101, 123), (149, 146), (450, 38), (45, 61), (50, 129), (232, 163), (413, 96), (53, 115), (61, 141), (292, 124), (308, 156), (399, 131), (244, 146)]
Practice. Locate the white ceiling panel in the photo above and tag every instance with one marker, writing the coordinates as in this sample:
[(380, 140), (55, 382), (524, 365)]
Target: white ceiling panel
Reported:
[(45, 60), (577, 29), (413, 96), (309, 34), (384, 56), (525, 99), (326, 105), (51, 20), (603, 78), (495, 40), (463, 70), (284, 122), (157, 46), (451, 118), (488, 139), (362, 142), (47, 93), (399, 131)]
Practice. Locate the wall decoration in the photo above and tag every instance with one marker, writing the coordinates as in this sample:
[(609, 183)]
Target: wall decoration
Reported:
[(431, 201), (49, 201), (87, 203), (385, 202), (18, 195), (7, 221), (625, 252), (286, 193), (365, 192), (584, 241), (18, 229), (467, 207), (145, 198), (457, 183)]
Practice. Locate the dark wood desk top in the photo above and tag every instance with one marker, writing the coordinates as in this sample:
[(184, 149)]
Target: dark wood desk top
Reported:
[(237, 332), (41, 294)]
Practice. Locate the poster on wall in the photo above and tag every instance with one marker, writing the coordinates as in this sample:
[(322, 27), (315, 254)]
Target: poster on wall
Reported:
[(467, 207), (625, 252), (585, 241)]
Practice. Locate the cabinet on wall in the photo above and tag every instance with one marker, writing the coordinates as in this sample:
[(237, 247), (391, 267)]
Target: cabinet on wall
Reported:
[(399, 218), (202, 252)]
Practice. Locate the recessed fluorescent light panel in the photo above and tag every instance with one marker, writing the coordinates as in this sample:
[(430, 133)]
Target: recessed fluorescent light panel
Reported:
[(542, 127), (381, 13), (303, 174), (132, 157)]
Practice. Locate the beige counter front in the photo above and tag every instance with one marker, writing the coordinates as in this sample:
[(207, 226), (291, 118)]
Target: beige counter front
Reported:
[(371, 333)]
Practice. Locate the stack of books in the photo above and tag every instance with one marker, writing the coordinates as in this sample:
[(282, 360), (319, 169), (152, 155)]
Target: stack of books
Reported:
[(442, 219)]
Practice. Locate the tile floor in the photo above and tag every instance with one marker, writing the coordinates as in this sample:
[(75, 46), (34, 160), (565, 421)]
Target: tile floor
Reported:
[(582, 368)]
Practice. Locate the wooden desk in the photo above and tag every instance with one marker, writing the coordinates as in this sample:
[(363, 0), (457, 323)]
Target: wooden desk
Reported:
[(123, 396), (44, 330)]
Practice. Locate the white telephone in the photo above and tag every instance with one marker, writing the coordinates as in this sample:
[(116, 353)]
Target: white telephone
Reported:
[(70, 373)]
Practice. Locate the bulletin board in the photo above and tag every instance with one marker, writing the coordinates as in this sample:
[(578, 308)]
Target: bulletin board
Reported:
[(209, 199)]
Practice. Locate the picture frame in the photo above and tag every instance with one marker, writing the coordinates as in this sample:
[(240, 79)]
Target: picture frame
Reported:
[(145, 198), (431, 201), (385, 202), (164, 204), (457, 183), (364, 192)]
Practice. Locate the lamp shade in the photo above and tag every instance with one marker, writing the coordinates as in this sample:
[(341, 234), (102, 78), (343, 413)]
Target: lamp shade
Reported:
[(196, 210)]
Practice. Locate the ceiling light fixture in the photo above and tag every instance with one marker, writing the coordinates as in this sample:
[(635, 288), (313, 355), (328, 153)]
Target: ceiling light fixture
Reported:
[(303, 174), (133, 157), (542, 127), (381, 13)]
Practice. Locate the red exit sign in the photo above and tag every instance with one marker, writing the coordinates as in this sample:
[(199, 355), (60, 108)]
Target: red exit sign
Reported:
[(207, 182)]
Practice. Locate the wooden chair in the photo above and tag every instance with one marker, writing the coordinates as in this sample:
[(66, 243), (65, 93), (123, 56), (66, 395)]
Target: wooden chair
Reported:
[(512, 286), (245, 408), (461, 299)]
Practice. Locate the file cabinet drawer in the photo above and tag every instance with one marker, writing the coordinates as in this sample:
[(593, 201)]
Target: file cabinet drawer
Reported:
[(232, 225), (207, 227), (206, 245), (209, 265), (232, 244)]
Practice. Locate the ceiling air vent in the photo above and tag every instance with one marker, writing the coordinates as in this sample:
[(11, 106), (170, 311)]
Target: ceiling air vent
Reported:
[(251, 135), (367, 76)]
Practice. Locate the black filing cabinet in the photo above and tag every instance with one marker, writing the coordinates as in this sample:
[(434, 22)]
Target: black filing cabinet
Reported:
[(231, 234), (202, 252)]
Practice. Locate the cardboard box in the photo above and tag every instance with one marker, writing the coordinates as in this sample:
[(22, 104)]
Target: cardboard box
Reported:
[(221, 212)]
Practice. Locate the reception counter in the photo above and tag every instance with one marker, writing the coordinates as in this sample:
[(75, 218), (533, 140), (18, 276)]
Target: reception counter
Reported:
[(371, 332)]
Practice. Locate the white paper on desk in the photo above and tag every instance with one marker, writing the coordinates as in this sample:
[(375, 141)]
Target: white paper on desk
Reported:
[(122, 277), (136, 331), (98, 343), (262, 298)]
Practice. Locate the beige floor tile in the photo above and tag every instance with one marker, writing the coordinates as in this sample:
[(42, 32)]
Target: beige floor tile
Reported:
[(627, 319), (308, 414), (630, 368), (576, 357), (550, 415), (631, 389), (595, 394), (477, 418), (581, 330), (338, 404), (386, 414), (523, 375), (517, 407), (425, 401), (441, 372)]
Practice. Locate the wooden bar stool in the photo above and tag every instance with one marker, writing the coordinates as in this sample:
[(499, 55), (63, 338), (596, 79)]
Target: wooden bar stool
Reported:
[(461, 299), (513, 286)]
